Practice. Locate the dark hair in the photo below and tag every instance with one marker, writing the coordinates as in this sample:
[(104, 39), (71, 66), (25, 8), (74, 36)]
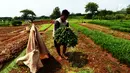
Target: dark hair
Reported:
[(65, 12)]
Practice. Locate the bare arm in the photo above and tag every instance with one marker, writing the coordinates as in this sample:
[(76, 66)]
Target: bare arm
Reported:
[(56, 25)]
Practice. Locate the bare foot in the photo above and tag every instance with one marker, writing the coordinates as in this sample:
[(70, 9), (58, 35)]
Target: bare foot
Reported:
[(59, 58), (65, 57), (44, 57)]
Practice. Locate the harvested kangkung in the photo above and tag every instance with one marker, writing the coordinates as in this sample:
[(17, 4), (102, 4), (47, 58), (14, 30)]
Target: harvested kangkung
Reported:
[(65, 36)]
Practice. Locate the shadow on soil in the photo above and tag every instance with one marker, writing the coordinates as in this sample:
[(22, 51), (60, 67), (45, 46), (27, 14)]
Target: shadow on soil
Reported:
[(51, 65), (78, 59)]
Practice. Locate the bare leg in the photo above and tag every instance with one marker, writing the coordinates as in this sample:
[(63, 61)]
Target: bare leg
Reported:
[(59, 52), (64, 51)]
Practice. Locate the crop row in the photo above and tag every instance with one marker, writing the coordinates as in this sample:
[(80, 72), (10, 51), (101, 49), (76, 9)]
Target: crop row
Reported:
[(116, 25), (120, 48), (12, 46), (5, 30), (44, 27), (12, 41)]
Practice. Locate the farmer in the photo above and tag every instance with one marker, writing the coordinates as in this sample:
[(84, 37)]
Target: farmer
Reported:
[(62, 20)]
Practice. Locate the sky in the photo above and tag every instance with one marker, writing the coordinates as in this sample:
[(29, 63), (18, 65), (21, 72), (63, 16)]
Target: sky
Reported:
[(12, 8)]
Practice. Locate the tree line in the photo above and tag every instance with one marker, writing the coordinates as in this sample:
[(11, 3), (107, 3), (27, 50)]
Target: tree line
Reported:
[(91, 10), (93, 13)]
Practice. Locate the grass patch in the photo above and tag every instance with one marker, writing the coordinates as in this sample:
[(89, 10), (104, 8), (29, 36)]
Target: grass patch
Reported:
[(119, 48), (78, 20), (116, 25), (44, 26), (51, 28), (88, 70)]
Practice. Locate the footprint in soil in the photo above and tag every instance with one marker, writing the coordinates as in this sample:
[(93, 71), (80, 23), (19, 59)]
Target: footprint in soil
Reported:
[(78, 59), (51, 65)]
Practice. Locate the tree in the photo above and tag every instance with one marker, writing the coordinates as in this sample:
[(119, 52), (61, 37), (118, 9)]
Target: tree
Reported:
[(122, 11), (28, 14), (43, 17), (128, 9), (56, 13), (17, 18), (104, 12), (92, 7)]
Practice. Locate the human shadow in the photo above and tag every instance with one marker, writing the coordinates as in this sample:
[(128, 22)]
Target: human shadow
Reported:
[(51, 65), (78, 59)]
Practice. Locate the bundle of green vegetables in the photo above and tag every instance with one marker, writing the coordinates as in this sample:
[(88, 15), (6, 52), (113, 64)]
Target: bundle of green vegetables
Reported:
[(65, 36)]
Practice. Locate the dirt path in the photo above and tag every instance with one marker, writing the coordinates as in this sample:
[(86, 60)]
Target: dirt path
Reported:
[(116, 33)]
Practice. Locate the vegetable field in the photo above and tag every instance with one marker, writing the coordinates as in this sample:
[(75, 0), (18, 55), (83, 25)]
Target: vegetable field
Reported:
[(63, 36), (97, 51), (117, 46)]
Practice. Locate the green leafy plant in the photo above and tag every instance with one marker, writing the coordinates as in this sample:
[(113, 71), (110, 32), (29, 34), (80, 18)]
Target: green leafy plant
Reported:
[(65, 36)]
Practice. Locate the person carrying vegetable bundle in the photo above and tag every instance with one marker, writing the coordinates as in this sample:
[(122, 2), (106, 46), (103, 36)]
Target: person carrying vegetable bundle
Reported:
[(62, 21)]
